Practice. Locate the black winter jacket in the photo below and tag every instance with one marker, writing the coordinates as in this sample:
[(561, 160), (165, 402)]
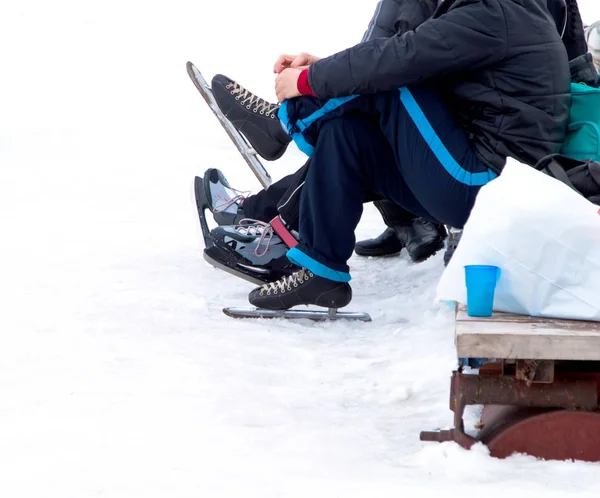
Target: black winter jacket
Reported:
[(500, 64), (398, 16)]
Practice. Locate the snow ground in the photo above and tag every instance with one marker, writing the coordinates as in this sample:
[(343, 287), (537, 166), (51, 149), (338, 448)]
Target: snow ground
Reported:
[(120, 377)]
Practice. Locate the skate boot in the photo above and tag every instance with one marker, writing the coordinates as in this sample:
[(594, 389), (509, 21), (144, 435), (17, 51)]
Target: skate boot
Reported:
[(302, 287), (250, 251), (252, 116), (224, 202), (454, 235)]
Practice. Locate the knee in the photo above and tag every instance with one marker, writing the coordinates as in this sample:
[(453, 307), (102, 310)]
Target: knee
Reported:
[(348, 130)]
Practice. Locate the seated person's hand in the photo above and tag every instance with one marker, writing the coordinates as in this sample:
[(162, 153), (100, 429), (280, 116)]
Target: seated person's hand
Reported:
[(286, 84), (300, 61)]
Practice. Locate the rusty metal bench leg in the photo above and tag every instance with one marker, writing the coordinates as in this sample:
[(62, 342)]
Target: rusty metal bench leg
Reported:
[(550, 405)]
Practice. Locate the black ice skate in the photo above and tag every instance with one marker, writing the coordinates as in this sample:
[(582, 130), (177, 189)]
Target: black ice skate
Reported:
[(252, 116), (247, 152), (302, 287), (250, 251), (274, 300)]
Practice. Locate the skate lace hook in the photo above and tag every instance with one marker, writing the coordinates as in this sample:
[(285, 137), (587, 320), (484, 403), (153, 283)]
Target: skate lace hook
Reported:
[(267, 231), (286, 282), (247, 98)]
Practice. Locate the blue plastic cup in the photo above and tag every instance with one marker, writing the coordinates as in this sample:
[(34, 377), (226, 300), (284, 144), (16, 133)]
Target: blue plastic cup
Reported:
[(481, 285)]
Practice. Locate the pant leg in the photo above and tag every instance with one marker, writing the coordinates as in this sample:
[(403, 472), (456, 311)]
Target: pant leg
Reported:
[(289, 205), (351, 160), (434, 155), (417, 157), (263, 205), (283, 198), (304, 117)]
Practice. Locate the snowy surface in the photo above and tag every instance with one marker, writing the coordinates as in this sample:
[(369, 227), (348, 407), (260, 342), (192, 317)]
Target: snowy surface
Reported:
[(119, 375)]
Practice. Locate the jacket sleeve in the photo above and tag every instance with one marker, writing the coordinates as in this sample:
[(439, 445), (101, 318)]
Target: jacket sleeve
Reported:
[(472, 35)]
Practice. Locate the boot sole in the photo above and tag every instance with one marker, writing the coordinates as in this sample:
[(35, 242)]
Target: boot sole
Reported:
[(431, 250), (377, 254)]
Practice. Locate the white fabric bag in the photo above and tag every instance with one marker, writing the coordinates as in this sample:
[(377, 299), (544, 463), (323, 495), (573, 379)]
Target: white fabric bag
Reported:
[(544, 237)]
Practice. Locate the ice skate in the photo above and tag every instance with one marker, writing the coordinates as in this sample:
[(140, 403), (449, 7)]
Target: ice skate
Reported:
[(252, 116), (247, 152), (303, 287), (250, 251)]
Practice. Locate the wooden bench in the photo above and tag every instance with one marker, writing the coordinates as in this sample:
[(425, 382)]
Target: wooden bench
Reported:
[(511, 336), (540, 390)]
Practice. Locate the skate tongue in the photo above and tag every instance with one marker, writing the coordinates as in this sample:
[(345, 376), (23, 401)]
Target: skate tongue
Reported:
[(248, 226), (229, 200)]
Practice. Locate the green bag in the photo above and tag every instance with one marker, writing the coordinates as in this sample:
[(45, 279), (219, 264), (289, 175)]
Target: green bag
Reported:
[(583, 136)]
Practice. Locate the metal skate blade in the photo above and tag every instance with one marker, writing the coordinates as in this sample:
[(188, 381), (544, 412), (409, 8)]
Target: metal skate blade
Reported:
[(236, 137), (231, 271), (317, 315)]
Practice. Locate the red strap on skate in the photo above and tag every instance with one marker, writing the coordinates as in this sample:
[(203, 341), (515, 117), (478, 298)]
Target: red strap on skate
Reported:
[(283, 232)]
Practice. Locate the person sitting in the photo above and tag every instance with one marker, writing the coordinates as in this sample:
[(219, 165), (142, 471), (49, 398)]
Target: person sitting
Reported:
[(421, 237), (424, 119), (255, 118)]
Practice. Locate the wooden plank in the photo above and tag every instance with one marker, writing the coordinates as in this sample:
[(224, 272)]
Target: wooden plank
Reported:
[(461, 315), (511, 336)]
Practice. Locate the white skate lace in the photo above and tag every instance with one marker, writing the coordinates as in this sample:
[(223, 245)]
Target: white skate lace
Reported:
[(286, 283), (248, 99), (238, 199), (249, 226)]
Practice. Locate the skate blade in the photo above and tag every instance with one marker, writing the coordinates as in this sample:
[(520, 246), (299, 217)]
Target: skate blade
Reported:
[(232, 271), (316, 315), (244, 148)]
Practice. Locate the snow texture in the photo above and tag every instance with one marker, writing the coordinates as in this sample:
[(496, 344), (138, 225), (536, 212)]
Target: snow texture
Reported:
[(119, 375)]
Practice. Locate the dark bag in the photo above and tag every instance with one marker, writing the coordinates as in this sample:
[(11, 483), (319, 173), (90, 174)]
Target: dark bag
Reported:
[(581, 176)]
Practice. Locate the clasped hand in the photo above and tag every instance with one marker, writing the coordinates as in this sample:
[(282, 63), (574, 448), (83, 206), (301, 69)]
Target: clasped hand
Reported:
[(288, 69)]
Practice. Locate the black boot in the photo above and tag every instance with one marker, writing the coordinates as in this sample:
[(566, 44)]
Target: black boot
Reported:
[(302, 287), (421, 238), (252, 116), (386, 244)]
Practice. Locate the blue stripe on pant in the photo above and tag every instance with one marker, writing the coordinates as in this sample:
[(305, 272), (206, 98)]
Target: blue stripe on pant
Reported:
[(404, 146)]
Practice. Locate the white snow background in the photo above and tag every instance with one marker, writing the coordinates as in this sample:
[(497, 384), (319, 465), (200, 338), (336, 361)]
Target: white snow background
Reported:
[(119, 375)]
